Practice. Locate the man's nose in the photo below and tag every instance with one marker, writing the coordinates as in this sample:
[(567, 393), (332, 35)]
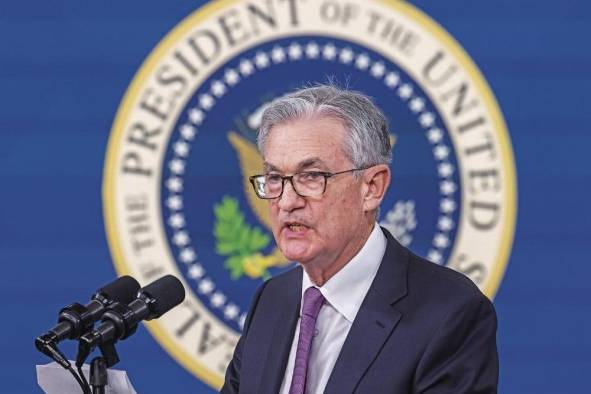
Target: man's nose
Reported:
[(289, 199)]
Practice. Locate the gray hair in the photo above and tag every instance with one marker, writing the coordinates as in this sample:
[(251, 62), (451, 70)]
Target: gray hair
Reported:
[(368, 140)]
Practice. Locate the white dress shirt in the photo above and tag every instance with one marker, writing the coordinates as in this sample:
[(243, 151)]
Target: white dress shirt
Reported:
[(344, 293)]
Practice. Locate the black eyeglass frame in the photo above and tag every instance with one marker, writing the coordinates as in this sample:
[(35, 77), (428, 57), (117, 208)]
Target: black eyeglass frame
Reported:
[(325, 174)]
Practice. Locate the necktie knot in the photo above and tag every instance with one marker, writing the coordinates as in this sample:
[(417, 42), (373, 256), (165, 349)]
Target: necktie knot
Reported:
[(313, 300)]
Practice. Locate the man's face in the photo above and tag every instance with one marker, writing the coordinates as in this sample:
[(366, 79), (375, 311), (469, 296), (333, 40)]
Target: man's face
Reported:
[(314, 230)]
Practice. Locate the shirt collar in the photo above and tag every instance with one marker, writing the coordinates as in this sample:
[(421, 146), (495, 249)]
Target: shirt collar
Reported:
[(346, 290)]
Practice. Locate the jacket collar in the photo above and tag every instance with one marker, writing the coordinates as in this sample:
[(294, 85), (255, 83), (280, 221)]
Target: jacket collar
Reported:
[(375, 321)]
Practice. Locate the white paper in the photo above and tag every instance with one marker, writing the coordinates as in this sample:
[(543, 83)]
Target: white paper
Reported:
[(54, 379)]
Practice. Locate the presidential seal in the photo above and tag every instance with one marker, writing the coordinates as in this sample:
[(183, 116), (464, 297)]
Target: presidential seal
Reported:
[(176, 195)]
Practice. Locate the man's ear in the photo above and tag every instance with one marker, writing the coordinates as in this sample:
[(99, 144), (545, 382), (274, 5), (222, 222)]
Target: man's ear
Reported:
[(376, 180)]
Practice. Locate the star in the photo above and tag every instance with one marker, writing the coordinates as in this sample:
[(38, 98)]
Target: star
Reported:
[(218, 88), (294, 51), (434, 256), (261, 60), (181, 148), (447, 205), (392, 79), (441, 152), (218, 299), (176, 220), (195, 271), (187, 255), (196, 116), (362, 61), (278, 54), (445, 169), (206, 101), (434, 135), (405, 91), (445, 223), (441, 241), (346, 55), (246, 67), (176, 166), (447, 187), (378, 69), (188, 132), (174, 184), (312, 50), (174, 202), (231, 311), (231, 77), (205, 286), (426, 119), (181, 238), (329, 52), (416, 105)]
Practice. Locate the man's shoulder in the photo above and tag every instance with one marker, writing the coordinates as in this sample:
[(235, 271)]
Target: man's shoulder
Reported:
[(437, 296), (435, 278), (429, 285), (437, 292)]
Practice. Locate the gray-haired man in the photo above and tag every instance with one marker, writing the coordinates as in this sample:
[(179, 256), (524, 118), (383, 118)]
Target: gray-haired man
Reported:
[(360, 313)]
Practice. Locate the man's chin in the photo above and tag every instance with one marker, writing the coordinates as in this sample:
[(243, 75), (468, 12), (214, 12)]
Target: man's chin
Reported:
[(295, 251)]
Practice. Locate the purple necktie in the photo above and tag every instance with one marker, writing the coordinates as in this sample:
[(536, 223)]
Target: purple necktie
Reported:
[(313, 301)]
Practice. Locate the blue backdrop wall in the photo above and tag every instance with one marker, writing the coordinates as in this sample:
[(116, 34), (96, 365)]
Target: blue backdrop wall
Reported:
[(65, 66)]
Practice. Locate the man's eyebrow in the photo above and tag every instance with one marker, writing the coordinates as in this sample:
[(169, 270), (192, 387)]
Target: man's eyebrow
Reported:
[(311, 162), (267, 167), (307, 163)]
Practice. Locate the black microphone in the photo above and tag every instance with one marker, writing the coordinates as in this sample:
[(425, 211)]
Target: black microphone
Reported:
[(76, 319), (120, 321)]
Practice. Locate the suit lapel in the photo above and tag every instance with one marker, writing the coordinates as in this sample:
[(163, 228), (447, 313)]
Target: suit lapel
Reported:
[(374, 322), (282, 332)]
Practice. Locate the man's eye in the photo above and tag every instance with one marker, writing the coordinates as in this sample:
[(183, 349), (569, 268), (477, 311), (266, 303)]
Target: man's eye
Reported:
[(273, 178), (310, 176)]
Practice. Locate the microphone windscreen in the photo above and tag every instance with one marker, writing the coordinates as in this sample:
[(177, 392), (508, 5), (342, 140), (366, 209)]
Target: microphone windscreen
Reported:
[(166, 293), (122, 290)]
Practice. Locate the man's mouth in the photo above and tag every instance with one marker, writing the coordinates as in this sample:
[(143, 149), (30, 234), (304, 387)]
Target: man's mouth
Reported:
[(296, 227)]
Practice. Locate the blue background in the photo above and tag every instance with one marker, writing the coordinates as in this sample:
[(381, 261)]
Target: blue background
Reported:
[(65, 66)]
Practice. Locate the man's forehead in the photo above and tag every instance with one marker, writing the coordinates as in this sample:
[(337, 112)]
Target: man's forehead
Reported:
[(303, 143)]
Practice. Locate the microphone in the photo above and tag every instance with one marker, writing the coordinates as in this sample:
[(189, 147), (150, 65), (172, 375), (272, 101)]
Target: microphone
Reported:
[(76, 319), (120, 321)]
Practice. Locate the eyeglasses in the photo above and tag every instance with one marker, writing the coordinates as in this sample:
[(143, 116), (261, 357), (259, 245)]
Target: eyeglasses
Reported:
[(305, 184)]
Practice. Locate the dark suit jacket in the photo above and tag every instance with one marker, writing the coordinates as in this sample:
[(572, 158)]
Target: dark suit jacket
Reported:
[(422, 328)]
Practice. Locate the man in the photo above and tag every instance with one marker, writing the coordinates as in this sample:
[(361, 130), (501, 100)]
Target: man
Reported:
[(360, 313)]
